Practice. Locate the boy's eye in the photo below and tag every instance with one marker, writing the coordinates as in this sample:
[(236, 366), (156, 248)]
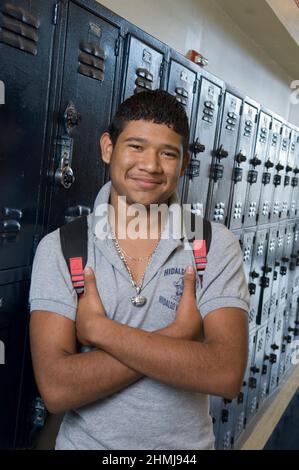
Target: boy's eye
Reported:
[(169, 154), (136, 147)]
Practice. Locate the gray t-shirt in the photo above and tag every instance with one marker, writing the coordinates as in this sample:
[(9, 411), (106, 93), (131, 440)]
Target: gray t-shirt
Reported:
[(147, 414)]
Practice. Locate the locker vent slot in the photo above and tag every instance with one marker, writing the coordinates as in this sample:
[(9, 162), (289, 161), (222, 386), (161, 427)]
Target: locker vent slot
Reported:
[(144, 80), (18, 28), (91, 61)]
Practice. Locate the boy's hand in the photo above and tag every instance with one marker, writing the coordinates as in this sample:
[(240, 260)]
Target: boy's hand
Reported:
[(188, 320), (90, 308)]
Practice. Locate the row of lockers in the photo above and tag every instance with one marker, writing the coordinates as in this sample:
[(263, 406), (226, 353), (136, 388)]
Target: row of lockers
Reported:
[(244, 159), (271, 264), (68, 64)]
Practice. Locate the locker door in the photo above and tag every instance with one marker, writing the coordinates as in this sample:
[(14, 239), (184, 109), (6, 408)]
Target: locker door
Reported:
[(26, 41), (267, 211), (89, 70), (182, 83), (255, 373), (13, 321), (255, 173), (243, 156), (269, 358), (267, 188), (209, 108), (267, 297), (291, 179), (279, 206), (143, 67), (256, 274), (224, 159)]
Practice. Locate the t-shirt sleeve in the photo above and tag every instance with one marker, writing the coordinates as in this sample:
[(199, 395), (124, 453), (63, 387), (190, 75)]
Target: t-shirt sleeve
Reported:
[(224, 282), (51, 287)]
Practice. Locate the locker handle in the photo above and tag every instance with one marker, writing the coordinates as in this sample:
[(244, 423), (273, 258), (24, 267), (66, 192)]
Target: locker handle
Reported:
[(9, 212), (221, 153), (9, 227), (196, 147)]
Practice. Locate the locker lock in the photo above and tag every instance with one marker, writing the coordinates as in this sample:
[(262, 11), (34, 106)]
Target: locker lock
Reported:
[(240, 158), (224, 416), (266, 178), (216, 172), (265, 281), (237, 174), (196, 147), (264, 369), (240, 398), (64, 174), (277, 180), (252, 176), (272, 358), (221, 153), (252, 382), (255, 161)]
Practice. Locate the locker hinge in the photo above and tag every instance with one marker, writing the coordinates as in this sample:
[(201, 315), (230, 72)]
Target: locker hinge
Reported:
[(35, 242), (220, 99), (117, 44), (271, 125), (256, 117), (162, 67), (55, 13), (195, 86), (241, 109)]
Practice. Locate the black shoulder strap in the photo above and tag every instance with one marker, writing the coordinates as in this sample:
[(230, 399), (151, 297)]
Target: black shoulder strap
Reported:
[(73, 238)]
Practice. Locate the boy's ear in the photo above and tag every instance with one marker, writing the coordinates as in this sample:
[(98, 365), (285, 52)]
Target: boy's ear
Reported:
[(106, 147), (186, 160)]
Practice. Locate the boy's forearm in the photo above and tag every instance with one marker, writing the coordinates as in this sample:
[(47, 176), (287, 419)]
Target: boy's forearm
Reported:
[(80, 379)]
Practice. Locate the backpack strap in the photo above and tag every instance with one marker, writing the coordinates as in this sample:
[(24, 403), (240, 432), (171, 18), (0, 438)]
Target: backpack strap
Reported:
[(73, 238), (201, 247)]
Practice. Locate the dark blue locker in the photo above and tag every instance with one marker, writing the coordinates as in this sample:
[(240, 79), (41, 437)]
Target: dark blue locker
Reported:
[(89, 70), (26, 42)]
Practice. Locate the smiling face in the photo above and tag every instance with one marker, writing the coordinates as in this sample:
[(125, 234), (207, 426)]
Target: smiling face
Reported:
[(145, 163)]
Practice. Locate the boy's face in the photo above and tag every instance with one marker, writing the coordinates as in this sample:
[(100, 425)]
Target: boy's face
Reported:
[(146, 162)]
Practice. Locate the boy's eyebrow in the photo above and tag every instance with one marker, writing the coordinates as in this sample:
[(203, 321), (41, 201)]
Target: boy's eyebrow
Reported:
[(145, 141)]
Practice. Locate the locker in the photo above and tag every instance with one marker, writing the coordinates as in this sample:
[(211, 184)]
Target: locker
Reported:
[(144, 65), (182, 82), (267, 189), (13, 325), (255, 173), (26, 76), (254, 378), (198, 174), (293, 182), (247, 133), (279, 206), (256, 275), (241, 401), (268, 359), (86, 101), (268, 296), (275, 349), (223, 170)]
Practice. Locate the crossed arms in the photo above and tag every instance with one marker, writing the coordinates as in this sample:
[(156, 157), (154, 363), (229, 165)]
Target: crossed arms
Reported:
[(173, 355)]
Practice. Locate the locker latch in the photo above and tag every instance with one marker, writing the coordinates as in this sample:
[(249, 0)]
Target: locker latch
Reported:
[(277, 180), (64, 174), (266, 178), (252, 176), (217, 171), (237, 174)]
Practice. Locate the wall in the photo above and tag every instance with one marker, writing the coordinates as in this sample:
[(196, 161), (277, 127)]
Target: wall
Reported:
[(233, 56)]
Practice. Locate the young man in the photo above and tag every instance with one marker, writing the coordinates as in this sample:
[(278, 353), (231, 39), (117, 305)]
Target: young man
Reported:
[(160, 343)]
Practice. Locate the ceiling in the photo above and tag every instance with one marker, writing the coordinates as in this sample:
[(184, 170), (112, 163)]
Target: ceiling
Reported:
[(273, 25)]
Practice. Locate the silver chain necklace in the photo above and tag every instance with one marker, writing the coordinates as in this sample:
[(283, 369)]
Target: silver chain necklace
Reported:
[(138, 300)]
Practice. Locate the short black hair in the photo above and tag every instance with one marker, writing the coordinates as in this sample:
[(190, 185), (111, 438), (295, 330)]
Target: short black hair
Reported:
[(157, 106)]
